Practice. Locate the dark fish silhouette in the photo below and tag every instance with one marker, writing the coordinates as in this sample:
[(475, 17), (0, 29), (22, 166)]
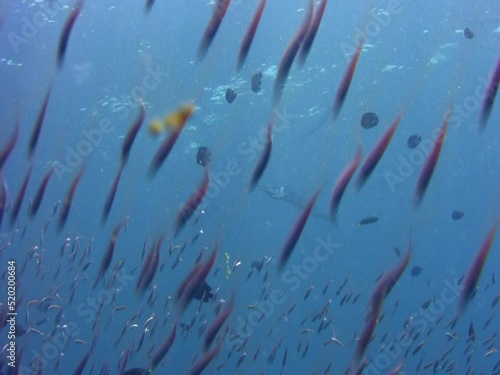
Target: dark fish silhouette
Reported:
[(257, 82), (457, 215), (230, 95), (369, 120), (64, 38), (204, 293), (416, 270), (413, 141), (468, 34), (204, 156), (368, 220), (247, 40), (136, 371)]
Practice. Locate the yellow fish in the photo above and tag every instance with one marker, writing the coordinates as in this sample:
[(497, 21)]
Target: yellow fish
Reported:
[(174, 121)]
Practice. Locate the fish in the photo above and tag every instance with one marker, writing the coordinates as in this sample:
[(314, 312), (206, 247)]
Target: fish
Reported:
[(468, 34), (457, 215), (3, 199), (369, 120), (111, 196), (149, 268), (108, 255), (193, 281), (35, 133), (294, 235), (191, 204), (204, 293), (66, 32), (204, 361), (342, 182), (162, 351), (368, 220), (261, 165), (132, 134), (416, 271), (149, 5), (4, 154), (430, 164), (376, 154), (289, 55), (37, 201), (220, 10), (230, 95), (343, 88), (489, 97), (383, 288), (217, 324), (16, 207), (136, 371), (257, 82), (203, 156), (66, 205), (475, 270), (306, 45), (247, 40), (173, 121), (413, 141)]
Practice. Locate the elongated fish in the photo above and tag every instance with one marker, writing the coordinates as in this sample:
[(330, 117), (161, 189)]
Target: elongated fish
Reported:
[(37, 201), (247, 40), (430, 164), (35, 134), (66, 32), (212, 27), (294, 235)]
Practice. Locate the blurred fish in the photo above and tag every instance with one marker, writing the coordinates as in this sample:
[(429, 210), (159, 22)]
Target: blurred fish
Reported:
[(368, 220), (261, 165), (3, 199), (369, 120), (212, 27), (306, 45), (66, 32), (4, 154), (468, 34), (204, 293), (230, 95), (162, 351), (430, 164), (289, 55), (203, 156), (16, 207), (37, 201), (475, 270), (190, 206), (343, 88), (257, 82), (457, 215), (137, 371), (342, 182), (294, 235), (489, 96), (63, 216), (246, 42), (416, 271), (376, 154), (35, 134), (131, 134), (173, 121), (217, 324), (413, 141), (149, 5), (111, 196)]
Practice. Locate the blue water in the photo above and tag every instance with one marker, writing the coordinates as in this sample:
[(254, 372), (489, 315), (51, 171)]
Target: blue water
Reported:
[(415, 60)]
